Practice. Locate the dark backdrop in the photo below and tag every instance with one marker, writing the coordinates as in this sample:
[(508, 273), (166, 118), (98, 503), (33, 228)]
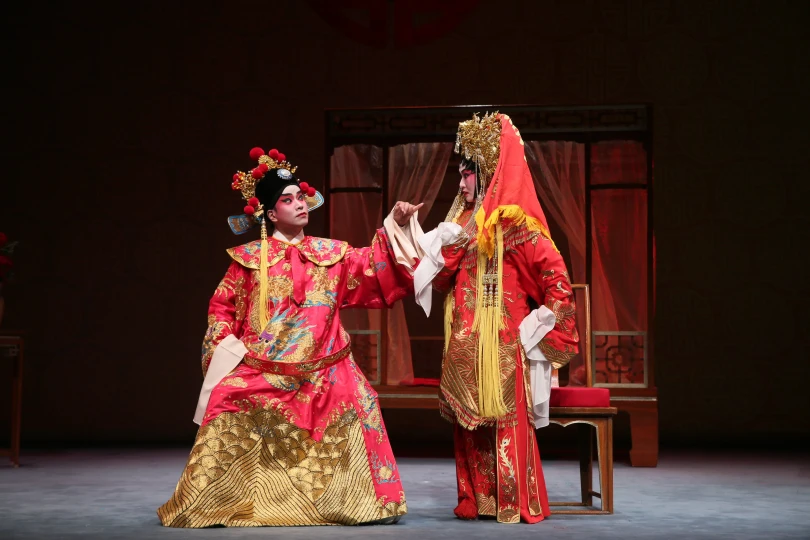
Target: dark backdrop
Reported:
[(123, 126)]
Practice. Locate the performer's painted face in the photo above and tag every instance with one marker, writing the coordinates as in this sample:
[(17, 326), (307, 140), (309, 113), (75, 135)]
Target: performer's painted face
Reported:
[(291, 210), (467, 183)]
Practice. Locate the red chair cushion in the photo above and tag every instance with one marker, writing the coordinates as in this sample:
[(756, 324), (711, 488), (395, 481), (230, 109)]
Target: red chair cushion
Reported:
[(579, 396), (565, 396)]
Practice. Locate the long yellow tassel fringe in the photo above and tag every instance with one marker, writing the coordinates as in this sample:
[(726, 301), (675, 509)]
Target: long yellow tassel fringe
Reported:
[(449, 307), (263, 285), (488, 322), (489, 319)]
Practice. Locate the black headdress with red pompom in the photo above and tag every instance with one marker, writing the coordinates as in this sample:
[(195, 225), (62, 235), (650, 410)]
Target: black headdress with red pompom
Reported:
[(262, 186)]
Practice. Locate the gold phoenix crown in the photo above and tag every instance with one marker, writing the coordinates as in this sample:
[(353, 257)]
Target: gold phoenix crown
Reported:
[(479, 139)]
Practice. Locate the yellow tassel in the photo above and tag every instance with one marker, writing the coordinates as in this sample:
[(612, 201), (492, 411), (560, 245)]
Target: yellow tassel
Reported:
[(481, 270), (449, 307), (263, 285), (499, 297), (489, 322), (490, 394), (479, 222), (489, 318), (516, 216)]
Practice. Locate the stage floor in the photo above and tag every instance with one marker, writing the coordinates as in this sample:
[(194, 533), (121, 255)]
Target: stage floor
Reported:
[(113, 494)]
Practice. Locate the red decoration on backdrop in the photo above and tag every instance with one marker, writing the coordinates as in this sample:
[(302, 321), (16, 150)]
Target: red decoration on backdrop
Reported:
[(393, 23)]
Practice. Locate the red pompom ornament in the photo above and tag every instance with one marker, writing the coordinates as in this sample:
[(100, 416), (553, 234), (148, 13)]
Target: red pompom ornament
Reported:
[(249, 210), (273, 153), (236, 177), (281, 157), (256, 153), (311, 192), (304, 186), (254, 202), (256, 173)]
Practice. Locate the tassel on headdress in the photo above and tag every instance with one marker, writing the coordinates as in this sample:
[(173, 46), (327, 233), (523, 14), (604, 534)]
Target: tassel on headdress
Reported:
[(254, 210)]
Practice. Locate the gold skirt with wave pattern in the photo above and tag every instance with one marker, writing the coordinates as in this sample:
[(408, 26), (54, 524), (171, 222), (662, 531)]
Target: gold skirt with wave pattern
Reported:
[(257, 468)]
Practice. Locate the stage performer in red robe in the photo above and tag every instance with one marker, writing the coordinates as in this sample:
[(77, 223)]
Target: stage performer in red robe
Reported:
[(290, 429), (499, 351)]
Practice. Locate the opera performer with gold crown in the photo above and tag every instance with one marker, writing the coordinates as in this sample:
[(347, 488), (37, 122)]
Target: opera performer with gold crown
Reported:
[(509, 320)]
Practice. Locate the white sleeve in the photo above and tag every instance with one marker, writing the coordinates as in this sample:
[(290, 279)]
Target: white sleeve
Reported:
[(445, 234), (226, 357), (405, 240), (533, 329)]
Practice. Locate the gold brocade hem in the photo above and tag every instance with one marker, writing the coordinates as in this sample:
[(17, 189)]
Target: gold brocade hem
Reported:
[(459, 373), (454, 413), (486, 505), (257, 468)]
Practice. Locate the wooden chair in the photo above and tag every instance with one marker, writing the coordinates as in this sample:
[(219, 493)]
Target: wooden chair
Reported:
[(588, 407)]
